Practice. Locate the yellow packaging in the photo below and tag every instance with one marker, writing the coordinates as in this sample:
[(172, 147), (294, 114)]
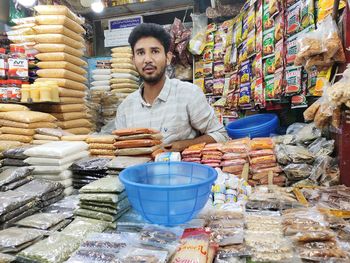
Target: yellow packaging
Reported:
[(25, 93), (54, 91), (35, 93), (45, 92), (325, 8), (322, 78)]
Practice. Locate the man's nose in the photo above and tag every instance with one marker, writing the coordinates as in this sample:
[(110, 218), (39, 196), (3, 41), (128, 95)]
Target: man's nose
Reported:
[(148, 57)]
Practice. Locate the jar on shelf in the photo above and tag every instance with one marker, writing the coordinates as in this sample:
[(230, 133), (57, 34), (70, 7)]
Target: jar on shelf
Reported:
[(17, 63), (3, 64)]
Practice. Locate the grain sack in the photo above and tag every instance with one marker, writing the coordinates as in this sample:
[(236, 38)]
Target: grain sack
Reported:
[(60, 20), (24, 20), (61, 65), (74, 138), (21, 32), (12, 107), (64, 83), (125, 90), (47, 48), (127, 71), (124, 66), (122, 55), (26, 116), (6, 145), (101, 72), (119, 95), (101, 88), (16, 138), (59, 39), (79, 131), (124, 86), (101, 77), (61, 56), (101, 139), (124, 76), (69, 100), (58, 29), (118, 81), (18, 131), (122, 60), (121, 50), (70, 115), (21, 39), (40, 142), (136, 143), (105, 146), (133, 131), (46, 137), (70, 93), (100, 83), (26, 125), (52, 132), (58, 10), (27, 25), (136, 151), (101, 152), (60, 73), (65, 108), (74, 124)]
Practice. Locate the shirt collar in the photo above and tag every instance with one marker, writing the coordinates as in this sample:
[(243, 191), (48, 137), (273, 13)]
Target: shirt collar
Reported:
[(163, 95)]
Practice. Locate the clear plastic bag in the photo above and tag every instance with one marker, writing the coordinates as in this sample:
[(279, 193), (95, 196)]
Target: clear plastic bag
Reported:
[(16, 153), (227, 236), (91, 164), (14, 239), (56, 149), (56, 162), (321, 146), (43, 221), (133, 254), (299, 154), (14, 174), (159, 236), (308, 133), (282, 154), (320, 166), (53, 132), (11, 200), (104, 185), (295, 128), (296, 172)]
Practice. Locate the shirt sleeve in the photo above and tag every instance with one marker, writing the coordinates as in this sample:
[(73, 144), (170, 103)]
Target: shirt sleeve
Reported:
[(203, 119), (120, 119)]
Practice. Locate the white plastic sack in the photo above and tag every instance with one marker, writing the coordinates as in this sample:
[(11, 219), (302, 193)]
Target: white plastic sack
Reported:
[(101, 77), (101, 72), (102, 88), (59, 149), (56, 162), (124, 76), (68, 191), (67, 174), (50, 169), (100, 83)]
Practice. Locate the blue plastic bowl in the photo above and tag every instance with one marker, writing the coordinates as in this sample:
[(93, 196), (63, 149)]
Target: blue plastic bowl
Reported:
[(260, 125), (168, 193)]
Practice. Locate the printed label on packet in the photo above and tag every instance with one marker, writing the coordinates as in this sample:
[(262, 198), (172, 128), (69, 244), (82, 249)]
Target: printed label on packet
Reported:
[(18, 68), (2, 68)]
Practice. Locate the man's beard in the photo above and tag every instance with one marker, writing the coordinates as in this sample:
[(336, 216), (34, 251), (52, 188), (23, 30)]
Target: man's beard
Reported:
[(153, 79)]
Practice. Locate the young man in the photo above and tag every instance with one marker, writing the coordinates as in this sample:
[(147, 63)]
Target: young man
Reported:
[(179, 110)]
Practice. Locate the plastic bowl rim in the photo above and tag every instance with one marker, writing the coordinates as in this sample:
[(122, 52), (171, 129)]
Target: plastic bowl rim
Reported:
[(212, 178), (263, 125)]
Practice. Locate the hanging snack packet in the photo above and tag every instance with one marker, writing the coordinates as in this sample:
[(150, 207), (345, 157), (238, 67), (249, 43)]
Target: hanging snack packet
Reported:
[(279, 26), (245, 28), (238, 30), (199, 83), (219, 70), (267, 20), (311, 83), (209, 39), (269, 65), (198, 69), (207, 69), (292, 49), (273, 7), (293, 80), (245, 94), (259, 98), (258, 69), (322, 81), (251, 43), (269, 88), (268, 42), (259, 41), (208, 85), (251, 19), (278, 83), (233, 82), (259, 16), (218, 86), (208, 55), (212, 28), (279, 54), (293, 19), (245, 72), (227, 58), (243, 53), (218, 52), (299, 101), (307, 10), (325, 8)]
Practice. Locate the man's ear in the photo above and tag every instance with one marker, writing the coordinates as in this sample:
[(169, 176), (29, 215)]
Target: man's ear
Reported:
[(169, 57)]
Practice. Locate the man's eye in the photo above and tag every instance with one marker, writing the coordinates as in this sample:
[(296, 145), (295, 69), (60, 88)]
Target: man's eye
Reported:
[(139, 53), (155, 51)]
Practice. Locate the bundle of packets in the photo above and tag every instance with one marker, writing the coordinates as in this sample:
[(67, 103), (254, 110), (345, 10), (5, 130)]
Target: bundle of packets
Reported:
[(230, 189)]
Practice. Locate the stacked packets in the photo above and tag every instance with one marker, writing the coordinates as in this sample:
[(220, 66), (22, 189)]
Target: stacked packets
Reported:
[(15, 177), (122, 162), (104, 199), (14, 158), (88, 170), (51, 161)]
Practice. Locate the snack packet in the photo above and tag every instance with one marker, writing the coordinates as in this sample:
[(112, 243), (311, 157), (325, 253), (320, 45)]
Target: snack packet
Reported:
[(293, 80)]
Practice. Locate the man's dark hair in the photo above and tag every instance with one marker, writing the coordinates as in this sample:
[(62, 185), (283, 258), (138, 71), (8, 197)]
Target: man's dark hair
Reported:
[(150, 30)]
